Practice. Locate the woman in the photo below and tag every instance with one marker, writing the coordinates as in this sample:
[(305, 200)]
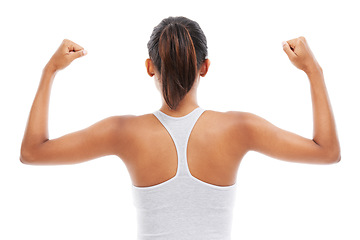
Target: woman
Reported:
[(182, 159)]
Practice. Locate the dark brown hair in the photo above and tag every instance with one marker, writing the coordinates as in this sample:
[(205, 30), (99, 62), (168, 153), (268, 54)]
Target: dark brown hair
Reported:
[(177, 47)]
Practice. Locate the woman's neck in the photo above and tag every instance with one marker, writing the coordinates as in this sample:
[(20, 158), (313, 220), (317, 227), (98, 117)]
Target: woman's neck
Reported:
[(186, 105)]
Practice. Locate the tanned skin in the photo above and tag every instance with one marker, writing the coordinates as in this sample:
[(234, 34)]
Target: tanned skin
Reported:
[(216, 145)]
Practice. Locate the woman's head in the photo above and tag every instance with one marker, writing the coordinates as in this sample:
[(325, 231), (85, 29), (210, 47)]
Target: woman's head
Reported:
[(177, 48)]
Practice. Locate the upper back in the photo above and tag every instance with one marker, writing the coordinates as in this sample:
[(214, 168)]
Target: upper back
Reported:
[(184, 174), (215, 148)]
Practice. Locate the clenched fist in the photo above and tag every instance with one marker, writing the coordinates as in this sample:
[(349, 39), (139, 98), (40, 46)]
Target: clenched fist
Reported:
[(300, 55), (65, 54)]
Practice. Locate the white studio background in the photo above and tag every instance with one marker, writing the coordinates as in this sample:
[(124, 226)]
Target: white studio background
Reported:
[(249, 72)]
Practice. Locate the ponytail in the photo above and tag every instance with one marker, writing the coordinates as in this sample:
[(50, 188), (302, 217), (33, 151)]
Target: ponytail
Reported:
[(177, 47), (178, 63)]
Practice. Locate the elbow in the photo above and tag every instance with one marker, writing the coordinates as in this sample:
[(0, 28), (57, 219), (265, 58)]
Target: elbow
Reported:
[(31, 154), (26, 157), (333, 157), (337, 158)]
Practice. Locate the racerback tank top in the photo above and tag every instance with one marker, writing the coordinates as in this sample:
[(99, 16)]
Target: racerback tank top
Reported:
[(183, 207)]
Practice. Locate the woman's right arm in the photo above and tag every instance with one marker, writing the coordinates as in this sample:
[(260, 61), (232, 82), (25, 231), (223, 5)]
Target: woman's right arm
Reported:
[(270, 140)]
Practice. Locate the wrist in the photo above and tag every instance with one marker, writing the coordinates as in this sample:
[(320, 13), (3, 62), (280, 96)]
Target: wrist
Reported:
[(49, 68), (314, 69), (315, 75)]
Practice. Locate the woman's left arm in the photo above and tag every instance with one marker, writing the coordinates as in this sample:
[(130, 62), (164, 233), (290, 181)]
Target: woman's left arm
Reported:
[(98, 140)]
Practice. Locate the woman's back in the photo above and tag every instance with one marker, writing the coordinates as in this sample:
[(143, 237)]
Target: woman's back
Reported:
[(214, 149), (179, 196)]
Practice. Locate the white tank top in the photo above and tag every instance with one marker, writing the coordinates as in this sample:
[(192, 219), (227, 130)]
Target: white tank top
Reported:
[(183, 207)]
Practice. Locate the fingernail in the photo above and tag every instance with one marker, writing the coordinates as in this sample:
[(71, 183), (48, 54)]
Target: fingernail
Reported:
[(284, 43), (84, 52)]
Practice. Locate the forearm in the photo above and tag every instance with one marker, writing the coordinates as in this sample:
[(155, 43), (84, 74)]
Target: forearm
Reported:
[(36, 131), (324, 133)]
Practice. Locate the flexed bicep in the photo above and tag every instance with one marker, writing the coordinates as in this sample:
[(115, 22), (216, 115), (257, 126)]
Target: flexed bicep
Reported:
[(100, 139), (266, 138)]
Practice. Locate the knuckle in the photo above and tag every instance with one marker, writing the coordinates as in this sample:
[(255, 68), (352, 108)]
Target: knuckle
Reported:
[(67, 41)]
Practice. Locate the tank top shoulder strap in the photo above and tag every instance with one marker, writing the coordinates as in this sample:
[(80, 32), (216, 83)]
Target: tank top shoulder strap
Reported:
[(180, 129)]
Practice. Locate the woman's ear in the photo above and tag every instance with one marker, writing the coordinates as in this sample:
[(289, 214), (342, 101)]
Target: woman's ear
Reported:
[(204, 67), (150, 67)]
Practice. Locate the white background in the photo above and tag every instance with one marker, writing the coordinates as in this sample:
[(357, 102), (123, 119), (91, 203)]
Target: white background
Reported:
[(249, 72)]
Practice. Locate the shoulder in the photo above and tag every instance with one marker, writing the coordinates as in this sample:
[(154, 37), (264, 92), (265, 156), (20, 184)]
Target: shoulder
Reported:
[(126, 132), (228, 122), (233, 120), (127, 123), (227, 130), (237, 120), (238, 125), (245, 120)]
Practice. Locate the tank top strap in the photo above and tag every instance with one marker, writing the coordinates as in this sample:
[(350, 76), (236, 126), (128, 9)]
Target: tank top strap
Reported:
[(180, 129)]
